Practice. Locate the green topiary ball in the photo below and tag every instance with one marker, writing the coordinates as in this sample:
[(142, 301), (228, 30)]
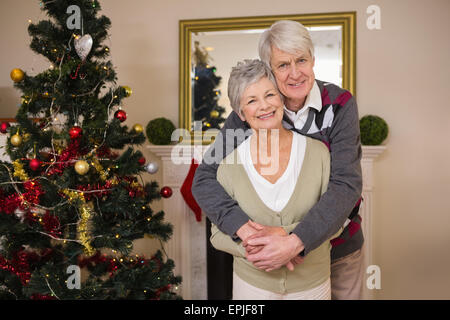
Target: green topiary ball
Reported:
[(374, 130), (159, 131)]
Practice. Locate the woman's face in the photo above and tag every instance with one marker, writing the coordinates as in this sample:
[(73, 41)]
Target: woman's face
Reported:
[(294, 74), (261, 105)]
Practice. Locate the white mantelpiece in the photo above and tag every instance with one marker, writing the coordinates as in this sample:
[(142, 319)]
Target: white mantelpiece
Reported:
[(369, 154), (187, 246)]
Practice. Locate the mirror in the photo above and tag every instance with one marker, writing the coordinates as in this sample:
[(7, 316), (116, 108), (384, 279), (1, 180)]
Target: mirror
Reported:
[(209, 48)]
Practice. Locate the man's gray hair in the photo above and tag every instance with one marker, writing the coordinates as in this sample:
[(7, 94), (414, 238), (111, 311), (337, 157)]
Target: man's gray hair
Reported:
[(286, 35), (244, 74)]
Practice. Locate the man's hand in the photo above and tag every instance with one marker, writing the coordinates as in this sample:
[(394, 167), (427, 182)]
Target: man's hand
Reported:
[(277, 251), (262, 231)]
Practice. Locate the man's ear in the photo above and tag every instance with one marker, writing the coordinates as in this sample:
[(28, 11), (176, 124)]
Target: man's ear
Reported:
[(241, 116)]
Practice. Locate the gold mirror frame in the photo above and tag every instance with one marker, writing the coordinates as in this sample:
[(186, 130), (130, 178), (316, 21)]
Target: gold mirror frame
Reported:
[(347, 20)]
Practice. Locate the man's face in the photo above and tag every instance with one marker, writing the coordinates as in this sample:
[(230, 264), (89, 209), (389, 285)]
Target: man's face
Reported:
[(294, 74)]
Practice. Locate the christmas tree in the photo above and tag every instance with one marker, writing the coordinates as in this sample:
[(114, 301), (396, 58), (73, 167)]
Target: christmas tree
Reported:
[(72, 197), (205, 93)]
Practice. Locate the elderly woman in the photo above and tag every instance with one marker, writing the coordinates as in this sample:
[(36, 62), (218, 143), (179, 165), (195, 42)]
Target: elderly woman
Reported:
[(274, 193), (319, 110)]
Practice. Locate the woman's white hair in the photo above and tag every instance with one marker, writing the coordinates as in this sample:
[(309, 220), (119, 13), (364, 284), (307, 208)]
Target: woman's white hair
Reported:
[(286, 35), (244, 74)]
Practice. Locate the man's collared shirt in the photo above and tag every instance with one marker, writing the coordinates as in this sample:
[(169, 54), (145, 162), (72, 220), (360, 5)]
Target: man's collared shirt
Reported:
[(313, 100)]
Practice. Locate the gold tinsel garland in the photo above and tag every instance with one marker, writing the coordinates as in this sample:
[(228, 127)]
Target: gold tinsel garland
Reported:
[(83, 231), (103, 173), (86, 209), (19, 172), (86, 213)]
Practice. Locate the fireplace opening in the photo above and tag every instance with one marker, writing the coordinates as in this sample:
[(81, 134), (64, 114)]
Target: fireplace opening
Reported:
[(219, 270)]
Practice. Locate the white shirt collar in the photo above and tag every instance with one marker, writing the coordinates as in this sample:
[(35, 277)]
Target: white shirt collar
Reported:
[(313, 100)]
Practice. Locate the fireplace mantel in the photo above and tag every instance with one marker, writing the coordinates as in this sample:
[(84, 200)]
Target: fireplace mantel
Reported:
[(187, 246)]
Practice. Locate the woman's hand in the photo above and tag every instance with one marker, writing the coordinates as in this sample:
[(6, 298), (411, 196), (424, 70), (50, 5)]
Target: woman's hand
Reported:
[(266, 230), (245, 231), (297, 260)]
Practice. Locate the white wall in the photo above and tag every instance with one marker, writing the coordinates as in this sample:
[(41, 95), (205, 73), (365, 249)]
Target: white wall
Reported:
[(402, 76)]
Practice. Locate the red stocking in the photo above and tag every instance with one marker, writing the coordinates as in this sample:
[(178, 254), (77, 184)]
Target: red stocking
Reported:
[(186, 191)]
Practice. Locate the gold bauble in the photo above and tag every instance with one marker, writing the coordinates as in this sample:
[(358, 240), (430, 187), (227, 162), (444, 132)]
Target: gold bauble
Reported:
[(16, 140), (17, 75), (138, 128), (214, 114), (128, 91), (81, 167)]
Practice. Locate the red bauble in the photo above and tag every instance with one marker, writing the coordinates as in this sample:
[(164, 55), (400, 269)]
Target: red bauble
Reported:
[(166, 192), (35, 164), (4, 126), (120, 115), (75, 132), (141, 161)]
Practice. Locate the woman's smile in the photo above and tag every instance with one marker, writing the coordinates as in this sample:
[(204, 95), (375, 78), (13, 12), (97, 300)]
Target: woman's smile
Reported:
[(266, 116)]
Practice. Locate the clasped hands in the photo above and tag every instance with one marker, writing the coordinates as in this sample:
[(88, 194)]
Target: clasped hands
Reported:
[(269, 248)]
